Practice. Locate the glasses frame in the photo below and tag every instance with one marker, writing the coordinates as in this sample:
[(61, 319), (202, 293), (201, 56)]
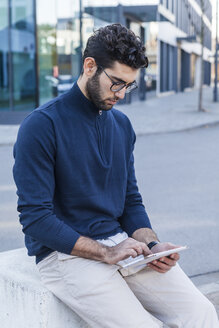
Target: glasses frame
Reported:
[(132, 86)]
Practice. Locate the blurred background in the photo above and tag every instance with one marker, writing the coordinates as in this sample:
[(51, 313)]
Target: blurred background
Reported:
[(41, 44)]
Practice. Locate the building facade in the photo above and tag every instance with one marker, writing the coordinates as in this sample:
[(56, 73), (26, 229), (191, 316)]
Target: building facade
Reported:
[(41, 43), (179, 48)]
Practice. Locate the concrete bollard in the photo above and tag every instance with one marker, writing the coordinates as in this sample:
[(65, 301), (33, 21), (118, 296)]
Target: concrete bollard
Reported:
[(24, 301)]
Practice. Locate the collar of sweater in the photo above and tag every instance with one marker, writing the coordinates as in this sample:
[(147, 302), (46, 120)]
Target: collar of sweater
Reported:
[(75, 99)]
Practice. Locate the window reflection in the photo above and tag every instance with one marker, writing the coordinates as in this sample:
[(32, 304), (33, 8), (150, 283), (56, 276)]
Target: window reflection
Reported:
[(46, 41), (59, 52), (60, 44), (4, 75), (23, 55)]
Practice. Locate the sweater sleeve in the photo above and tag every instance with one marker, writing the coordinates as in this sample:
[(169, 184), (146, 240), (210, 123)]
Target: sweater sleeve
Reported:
[(34, 175), (134, 215)]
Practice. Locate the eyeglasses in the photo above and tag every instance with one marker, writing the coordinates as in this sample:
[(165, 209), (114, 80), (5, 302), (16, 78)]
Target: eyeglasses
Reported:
[(117, 86)]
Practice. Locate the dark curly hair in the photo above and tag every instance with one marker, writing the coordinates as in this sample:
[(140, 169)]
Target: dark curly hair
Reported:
[(116, 43)]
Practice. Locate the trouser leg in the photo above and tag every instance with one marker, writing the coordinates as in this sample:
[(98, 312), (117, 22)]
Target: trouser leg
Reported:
[(95, 291), (173, 298)]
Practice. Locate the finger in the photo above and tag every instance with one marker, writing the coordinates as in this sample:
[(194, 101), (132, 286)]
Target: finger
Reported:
[(145, 250), (174, 256), (156, 268), (168, 261), (172, 246), (132, 253), (138, 249), (141, 248), (137, 246), (162, 265), (126, 254)]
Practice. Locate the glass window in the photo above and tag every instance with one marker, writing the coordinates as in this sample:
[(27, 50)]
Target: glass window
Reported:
[(23, 54), (59, 50), (46, 41), (151, 50), (4, 75), (98, 14), (68, 43)]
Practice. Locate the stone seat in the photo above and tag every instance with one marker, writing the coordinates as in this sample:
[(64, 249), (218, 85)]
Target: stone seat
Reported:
[(24, 301)]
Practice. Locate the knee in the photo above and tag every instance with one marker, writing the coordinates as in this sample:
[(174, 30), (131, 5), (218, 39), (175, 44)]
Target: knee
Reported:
[(206, 306), (209, 310), (203, 314)]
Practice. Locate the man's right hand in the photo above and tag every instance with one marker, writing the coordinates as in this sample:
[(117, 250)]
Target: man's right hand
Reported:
[(91, 249), (128, 247)]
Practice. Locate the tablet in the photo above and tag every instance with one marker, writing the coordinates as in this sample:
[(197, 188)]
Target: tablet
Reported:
[(133, 265), (149, 258)]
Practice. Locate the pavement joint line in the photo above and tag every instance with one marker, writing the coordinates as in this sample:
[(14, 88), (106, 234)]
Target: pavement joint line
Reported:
[(6, 144), (202, 274), (204, 125), (209, 288)]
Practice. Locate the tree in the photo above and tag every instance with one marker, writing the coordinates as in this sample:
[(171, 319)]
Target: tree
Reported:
[(200, 31), (202, 35)]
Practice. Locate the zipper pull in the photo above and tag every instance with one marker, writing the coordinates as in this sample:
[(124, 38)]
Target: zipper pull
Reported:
[(100, 112)]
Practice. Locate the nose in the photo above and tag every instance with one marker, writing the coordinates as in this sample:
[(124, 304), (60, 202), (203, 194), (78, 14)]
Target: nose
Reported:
[(121, 93)]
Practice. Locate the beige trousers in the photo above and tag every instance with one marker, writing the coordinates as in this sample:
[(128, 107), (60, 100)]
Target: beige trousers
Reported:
[(104, 299)]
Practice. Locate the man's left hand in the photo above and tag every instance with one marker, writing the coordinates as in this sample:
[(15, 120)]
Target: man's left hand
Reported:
[(165, 263)]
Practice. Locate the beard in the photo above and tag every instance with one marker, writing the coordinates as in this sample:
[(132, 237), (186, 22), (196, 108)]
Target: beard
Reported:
[(93, 92)]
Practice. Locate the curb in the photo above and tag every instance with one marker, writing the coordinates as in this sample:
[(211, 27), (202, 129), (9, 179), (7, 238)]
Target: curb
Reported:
[(211, 291), (203, 125), (139, 134)]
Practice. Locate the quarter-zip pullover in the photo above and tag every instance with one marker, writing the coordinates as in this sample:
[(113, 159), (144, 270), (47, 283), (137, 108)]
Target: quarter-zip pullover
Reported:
[(74, 171)]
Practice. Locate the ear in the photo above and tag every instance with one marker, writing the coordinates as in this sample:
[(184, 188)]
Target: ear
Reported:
[(90, 66)]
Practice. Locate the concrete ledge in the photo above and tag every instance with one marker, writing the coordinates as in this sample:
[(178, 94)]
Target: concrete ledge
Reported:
[(24, 302)]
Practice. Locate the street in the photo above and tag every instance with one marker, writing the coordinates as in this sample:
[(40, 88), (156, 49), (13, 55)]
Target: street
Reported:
[(178, 178)]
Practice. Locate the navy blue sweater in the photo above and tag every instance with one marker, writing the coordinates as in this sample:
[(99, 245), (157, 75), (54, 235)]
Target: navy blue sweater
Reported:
[(74, 171)]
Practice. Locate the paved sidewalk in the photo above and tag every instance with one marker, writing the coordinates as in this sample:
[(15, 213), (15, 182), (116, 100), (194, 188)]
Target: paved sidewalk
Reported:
[(163, 114), (172, 113), (8, 134), (166, 114)]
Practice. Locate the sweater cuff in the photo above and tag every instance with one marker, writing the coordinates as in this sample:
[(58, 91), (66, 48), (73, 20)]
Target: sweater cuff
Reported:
[(133, 222), (66, 239)]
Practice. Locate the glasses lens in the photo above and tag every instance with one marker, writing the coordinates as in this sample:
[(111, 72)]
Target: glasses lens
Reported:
[(131, 87), (118, 87)]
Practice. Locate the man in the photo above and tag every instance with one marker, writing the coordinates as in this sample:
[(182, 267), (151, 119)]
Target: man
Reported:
[(79, 203)]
